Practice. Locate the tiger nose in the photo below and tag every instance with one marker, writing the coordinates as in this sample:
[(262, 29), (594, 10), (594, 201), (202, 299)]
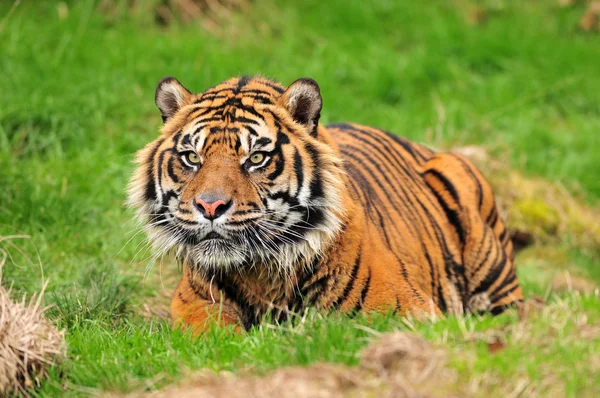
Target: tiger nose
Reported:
[(212, 206)]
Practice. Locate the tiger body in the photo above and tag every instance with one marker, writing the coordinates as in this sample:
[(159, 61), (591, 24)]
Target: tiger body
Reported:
[(343, 217)]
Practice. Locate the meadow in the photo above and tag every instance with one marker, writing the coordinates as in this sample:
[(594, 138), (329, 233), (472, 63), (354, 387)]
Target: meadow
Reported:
[(518, 80)]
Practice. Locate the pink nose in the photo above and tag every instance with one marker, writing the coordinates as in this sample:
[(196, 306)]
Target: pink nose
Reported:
[(212, 210)]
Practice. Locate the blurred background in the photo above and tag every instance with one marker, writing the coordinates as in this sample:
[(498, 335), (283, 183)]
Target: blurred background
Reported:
[(518, 83), (514, 85)]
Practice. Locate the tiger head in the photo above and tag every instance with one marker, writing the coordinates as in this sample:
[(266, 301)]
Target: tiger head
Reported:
[(240, 177)]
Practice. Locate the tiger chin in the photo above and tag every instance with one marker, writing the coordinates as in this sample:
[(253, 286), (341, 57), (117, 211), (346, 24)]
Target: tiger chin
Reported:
[(270, 212)]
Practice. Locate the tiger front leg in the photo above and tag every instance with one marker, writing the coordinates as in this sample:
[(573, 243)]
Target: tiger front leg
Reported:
[(189, 310)]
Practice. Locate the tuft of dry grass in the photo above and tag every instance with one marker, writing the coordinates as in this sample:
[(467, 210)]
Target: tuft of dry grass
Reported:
[(589, 20), (408, 365), (29, 343)]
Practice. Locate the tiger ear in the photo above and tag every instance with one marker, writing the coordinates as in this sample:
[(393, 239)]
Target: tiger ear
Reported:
[(303, 101), (170, 96)]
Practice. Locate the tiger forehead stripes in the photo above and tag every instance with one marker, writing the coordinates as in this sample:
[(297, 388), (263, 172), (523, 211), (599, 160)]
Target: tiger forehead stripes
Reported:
[(270, 212)]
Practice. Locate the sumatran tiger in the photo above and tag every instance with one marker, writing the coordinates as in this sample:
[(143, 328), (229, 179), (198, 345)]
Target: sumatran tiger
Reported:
[(270, 212)]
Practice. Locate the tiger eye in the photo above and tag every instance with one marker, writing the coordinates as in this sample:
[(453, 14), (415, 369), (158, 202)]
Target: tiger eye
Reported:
[(257, 158), (192, 157)]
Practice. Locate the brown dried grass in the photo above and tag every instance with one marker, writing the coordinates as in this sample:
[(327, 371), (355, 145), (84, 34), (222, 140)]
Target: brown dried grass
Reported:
[(537, 210), (210, 15), (541, 326), (29, 343)]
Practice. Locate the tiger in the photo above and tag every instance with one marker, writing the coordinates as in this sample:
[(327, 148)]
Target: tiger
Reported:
[(269, 213)]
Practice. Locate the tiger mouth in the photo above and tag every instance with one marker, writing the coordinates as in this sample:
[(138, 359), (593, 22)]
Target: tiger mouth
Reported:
[(213, 236), (210, 239)]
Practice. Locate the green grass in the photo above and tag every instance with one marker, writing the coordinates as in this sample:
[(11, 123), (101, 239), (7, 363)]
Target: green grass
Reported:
[(77, 102), (151, 354)]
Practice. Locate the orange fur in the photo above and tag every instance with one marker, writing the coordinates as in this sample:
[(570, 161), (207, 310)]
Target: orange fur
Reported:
[(374, 222)]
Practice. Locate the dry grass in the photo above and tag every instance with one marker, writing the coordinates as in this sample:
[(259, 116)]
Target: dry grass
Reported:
[(536, 209), (395, 365), (208, 14), (589, 20), (529, 334), (29, 343)]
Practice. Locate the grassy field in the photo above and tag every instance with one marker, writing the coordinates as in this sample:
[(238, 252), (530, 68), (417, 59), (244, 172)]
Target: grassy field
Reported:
[(77, 102)]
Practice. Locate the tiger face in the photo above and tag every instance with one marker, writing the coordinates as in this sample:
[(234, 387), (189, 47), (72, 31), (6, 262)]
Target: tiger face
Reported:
[(239, 177)]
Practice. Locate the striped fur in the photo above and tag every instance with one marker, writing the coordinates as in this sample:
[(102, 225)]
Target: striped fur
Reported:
[(342, 217)]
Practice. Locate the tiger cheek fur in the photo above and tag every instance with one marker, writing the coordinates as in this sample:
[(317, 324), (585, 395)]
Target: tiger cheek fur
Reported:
[(270, 212)]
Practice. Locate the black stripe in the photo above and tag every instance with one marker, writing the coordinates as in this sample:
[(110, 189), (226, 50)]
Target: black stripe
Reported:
[(316, 185), (212, 97), (363, 293), (282, 195), (150, 191), (485, 257), (184, 301), (503, 235), (263, 141), (159, 170), (171, 169), (186, 222), (341, 299), (498, 297), (469, 171), (452, 215), (243, 119), (279, 166), (282, 139), (237, 104), (182, 210), (494, 219), (510, 278), (491, 277), (491, 218), (398, 307), (255, 91), (214, 118), (186, 139), (298, 171), (314, 290), (273, 85), (499, 309), (441, 302), (243, 80), (251, 131), (243, 222)]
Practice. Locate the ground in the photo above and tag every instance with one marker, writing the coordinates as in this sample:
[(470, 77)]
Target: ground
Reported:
[(515, 83)]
